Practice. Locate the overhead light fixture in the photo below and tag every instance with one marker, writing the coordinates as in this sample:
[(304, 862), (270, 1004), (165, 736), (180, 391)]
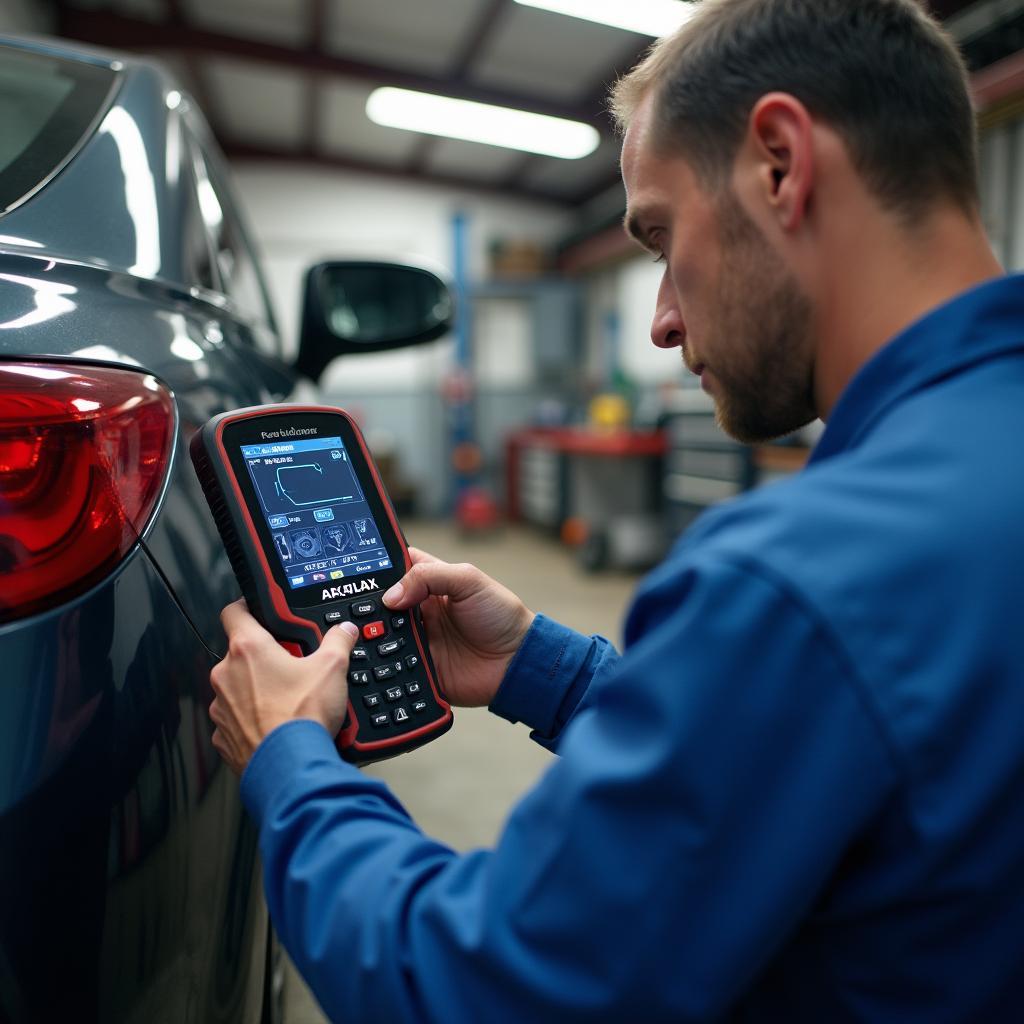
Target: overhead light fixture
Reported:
[(480, 122), (648, 17)]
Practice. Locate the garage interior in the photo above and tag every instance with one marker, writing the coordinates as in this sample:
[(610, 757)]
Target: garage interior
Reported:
[(546, 440)]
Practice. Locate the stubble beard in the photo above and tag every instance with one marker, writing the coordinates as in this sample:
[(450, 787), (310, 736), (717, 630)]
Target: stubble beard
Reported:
[(762, 357)]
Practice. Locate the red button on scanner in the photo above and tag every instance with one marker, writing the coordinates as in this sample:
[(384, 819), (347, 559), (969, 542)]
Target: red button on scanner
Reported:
[(372, 630)]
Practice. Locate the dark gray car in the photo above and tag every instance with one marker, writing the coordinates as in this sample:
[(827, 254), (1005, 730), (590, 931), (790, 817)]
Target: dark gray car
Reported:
[(132, 309)]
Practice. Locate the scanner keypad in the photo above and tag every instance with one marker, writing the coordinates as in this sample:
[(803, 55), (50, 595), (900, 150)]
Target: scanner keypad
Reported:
[(390, 695)]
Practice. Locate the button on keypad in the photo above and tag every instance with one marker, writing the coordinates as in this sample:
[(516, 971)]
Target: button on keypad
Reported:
[(390, 710)]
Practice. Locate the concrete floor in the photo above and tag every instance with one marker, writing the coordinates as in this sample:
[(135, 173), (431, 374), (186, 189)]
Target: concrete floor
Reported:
[(460, 788)]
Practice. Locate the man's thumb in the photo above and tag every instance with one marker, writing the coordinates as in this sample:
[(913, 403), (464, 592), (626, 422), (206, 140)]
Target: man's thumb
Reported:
[(339, 640)]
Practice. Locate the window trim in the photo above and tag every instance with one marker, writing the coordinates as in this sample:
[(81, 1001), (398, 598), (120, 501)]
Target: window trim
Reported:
[(90, 79)]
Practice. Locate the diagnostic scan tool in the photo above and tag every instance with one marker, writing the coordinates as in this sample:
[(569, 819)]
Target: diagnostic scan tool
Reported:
[(313, 540)]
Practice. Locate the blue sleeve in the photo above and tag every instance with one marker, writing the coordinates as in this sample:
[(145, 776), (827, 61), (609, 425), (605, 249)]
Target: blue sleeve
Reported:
[(549, 676), (703, 799)]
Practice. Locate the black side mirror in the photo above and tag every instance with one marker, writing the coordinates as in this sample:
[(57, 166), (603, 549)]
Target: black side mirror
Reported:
[(352, 306)]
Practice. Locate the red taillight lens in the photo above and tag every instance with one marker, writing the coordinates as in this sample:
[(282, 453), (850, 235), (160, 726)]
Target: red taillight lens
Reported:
[(83, 455)]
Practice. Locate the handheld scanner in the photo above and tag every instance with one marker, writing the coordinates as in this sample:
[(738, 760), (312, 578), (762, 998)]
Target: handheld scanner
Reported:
[(313, 539)]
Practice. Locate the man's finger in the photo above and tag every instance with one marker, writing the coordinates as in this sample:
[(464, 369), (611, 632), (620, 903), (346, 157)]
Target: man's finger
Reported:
[(426, 579), (237, 621), (240, 603), (338, 642), (418, 555)]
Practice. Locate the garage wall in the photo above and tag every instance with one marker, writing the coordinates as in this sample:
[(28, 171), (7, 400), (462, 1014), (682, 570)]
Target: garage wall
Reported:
[(300, 216), (26, 17), (619, 306), (1002, 190), (627, 293)]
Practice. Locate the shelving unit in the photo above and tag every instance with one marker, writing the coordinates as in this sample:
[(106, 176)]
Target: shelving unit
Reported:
[(703, 465)]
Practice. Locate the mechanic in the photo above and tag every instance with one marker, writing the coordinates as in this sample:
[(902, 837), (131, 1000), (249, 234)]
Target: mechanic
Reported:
[(797, 795)]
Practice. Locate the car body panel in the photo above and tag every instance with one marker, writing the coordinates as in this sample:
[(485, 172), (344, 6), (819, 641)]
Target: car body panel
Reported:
[(82, 314), (123, 199), (129, 869), (130, 884)]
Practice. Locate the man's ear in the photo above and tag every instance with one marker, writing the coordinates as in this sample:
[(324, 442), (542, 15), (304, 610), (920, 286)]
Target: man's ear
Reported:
[(780, 150)]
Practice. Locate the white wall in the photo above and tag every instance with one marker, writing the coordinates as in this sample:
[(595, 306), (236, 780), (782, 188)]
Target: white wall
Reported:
[(1002, 190), (639, 280), (300, 216), (630, 290)]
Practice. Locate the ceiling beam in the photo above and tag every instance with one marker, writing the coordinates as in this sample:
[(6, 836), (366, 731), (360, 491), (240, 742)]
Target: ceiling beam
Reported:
[(313, 104), (991, 87), (244, 151), (312, 114), (317, 17), (598, 187), (998, 82), (421, 153), (468, 49), (947, 8), (629, 57), (475, 40), (519, 170), (116, 31), (604, 248), (193, 68)]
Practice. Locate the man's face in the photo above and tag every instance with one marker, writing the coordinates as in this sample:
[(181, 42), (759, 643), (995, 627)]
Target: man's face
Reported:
[(726, 299)]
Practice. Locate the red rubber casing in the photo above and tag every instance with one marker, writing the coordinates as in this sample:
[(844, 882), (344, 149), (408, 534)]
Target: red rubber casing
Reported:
[(298, 629)]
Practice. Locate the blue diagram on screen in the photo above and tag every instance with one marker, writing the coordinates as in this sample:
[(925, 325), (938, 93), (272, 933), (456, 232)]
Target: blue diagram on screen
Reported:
[(319, 518), (306, 484)]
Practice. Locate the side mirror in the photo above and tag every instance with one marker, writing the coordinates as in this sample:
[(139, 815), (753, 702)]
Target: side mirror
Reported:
[(352, 306)]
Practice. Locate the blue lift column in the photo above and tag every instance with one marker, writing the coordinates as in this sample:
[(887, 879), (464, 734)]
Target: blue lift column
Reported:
[(472, 506)]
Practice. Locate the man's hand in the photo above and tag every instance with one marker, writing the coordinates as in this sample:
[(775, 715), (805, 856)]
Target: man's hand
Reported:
[(260, 686), (474, 624)]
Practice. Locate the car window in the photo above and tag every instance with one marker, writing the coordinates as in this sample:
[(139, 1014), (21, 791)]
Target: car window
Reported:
[(47, 106), (196, 238), (234, 259)]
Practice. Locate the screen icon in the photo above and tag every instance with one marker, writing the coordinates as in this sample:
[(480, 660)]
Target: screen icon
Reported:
[(319, 577), (336, 455), (297, 581), (323, 515), (337, 540), (337, 574), (278, 522), (305, 543)]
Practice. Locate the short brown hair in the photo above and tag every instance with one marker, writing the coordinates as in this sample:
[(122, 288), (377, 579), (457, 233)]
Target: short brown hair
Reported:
[(882, 73)]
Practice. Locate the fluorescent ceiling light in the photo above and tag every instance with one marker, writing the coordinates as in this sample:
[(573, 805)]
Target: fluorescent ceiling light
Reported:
[(648, 17), (480, 122)]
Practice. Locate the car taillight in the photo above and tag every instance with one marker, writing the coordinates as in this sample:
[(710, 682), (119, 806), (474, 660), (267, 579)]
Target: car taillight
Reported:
[(83, 455)]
